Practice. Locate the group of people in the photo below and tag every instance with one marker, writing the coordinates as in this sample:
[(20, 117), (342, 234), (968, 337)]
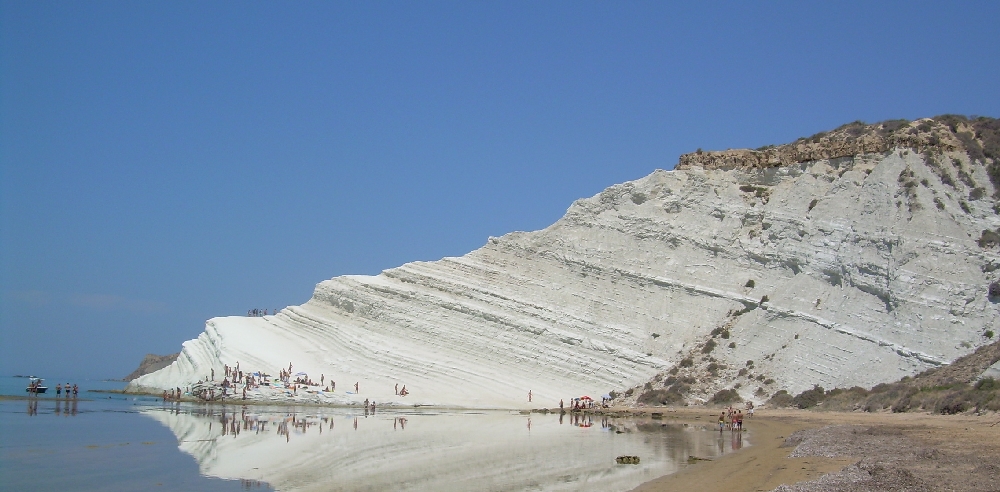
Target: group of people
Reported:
[(173, 395), (584, 403), (75, 389), (260, 312), (733, 418), (235, 381), (35, 387)]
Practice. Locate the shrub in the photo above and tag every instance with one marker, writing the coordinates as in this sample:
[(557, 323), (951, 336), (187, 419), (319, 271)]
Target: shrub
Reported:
[(988, 333), (743, 372), (809, 398), (994, 289), (725, 334), (709, 347), (763, 299), (725, 397), (901, 405), (951, 403), (687, 362), (813, 204), (749, 363), (780, 399), (638, 198), (965, 206), (987, 384), (732, 344), (988, 239), (750, 283), (890, 126), (679, 387), (713, 368), (660, 397)]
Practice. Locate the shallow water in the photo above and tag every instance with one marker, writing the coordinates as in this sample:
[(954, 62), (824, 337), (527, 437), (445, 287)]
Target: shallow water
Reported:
[(127, 443)]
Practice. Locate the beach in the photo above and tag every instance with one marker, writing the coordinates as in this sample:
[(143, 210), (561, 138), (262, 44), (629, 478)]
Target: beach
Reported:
[(880, 451)]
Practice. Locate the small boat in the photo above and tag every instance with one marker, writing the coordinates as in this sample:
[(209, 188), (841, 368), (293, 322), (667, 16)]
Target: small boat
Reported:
[(36, 385)]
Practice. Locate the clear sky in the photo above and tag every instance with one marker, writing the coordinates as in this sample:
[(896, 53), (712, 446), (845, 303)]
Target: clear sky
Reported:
[(162, 163)]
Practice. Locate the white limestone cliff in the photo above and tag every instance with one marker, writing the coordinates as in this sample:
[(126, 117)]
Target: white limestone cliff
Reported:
[(874, 266)]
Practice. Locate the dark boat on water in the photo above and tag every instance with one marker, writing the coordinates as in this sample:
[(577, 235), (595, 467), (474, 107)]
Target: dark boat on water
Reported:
[(36, 385)]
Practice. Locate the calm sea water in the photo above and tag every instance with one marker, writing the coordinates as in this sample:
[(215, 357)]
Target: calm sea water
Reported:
[(114, 442)]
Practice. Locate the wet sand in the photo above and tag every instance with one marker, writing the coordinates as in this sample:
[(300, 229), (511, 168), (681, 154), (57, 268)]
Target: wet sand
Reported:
[(892, 451)]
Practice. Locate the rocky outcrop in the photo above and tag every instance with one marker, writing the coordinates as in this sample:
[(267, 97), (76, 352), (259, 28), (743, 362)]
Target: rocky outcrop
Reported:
[(947, 133), (858, 265), (151, 363)]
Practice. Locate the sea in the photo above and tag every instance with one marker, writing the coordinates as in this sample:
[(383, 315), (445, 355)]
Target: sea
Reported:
[(110, 442)]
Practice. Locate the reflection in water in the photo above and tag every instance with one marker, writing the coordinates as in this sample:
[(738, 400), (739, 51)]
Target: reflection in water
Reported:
[(295, 449), (67, 410)]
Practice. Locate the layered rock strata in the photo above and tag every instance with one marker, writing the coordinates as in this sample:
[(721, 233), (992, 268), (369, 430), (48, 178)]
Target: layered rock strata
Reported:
[(840, 270)]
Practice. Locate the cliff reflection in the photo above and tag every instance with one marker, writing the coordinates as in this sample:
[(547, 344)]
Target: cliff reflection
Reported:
[(342, 449)]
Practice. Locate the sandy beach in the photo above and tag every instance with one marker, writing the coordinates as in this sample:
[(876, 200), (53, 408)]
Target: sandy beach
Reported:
[(876, 451)]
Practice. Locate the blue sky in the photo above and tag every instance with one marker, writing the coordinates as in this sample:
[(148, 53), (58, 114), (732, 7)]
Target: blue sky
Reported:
[(162, 163)]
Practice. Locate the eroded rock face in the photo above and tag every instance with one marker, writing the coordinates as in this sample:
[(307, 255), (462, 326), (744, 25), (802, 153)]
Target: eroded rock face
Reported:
[(839, 271)]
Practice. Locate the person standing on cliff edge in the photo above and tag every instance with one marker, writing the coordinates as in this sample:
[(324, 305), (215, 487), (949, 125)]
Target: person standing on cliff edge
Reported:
[(529, 396)]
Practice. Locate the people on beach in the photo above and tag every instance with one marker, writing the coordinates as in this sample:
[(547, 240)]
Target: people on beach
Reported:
[(397, 388), (356, 388), (403, 391), (529, 396), (58, 390)]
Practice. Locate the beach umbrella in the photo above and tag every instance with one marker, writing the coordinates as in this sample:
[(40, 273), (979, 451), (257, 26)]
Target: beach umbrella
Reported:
[(301, 374), (607, 397), (586, 398)]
